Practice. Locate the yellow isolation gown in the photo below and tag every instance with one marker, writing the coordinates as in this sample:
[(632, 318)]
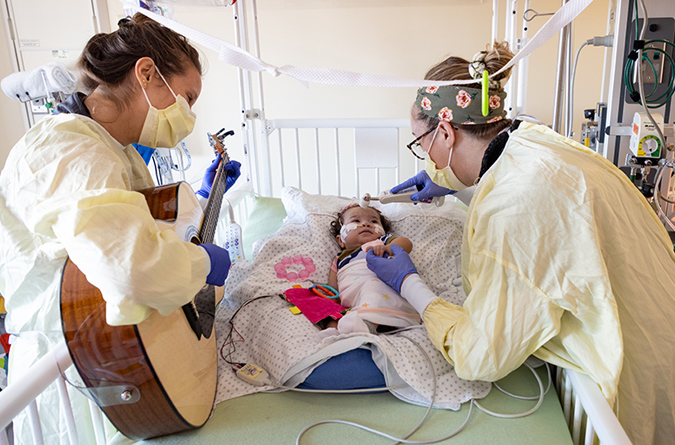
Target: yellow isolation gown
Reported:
[(563, 258), (67, 190)]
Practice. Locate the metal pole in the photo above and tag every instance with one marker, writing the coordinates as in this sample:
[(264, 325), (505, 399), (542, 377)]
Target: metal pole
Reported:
[(523, 65), (495, 21), (511, 13), (261, 142), (561, 69)]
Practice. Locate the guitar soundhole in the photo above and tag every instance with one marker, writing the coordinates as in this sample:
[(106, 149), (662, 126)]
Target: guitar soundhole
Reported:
[(205, 303)]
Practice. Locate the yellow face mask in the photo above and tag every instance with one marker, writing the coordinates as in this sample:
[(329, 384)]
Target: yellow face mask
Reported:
[(166, 128), (444, 177)]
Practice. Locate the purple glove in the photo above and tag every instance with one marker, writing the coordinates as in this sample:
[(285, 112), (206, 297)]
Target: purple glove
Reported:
[(393, 269), (232, 168), (429, 191), (220, 264)]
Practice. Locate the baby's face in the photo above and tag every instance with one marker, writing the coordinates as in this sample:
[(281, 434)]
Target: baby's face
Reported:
[(359, 226)]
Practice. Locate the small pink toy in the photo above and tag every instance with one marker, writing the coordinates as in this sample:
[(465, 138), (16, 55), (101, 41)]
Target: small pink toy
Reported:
[(281, 268), (314, 307)]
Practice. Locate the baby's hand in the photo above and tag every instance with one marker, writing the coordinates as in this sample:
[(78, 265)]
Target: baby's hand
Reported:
[(378, 249)]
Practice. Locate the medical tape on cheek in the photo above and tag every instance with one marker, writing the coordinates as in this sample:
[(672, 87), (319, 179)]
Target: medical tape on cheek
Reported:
[(379, 229), (344, 231)]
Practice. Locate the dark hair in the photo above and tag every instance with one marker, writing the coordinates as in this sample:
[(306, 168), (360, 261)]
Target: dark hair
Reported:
[(107, 59), (457, 68), (336, 224)]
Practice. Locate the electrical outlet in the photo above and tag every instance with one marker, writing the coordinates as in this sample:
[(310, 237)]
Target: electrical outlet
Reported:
[(653, 72), (37, 106)]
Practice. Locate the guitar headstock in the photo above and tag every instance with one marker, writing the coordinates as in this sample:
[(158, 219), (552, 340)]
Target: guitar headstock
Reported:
[(216, 142)]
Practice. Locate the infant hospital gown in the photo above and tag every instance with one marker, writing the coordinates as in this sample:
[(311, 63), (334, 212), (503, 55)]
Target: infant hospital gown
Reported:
[(371, 299)]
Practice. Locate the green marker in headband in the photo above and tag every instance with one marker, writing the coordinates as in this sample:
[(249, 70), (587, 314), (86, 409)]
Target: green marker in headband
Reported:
[(485, 94)]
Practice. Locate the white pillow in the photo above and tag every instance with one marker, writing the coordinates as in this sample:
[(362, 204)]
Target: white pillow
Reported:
[(299, 204)]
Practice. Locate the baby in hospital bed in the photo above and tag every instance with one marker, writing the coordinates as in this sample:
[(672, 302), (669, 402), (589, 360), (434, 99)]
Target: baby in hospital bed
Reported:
[(375, 307)]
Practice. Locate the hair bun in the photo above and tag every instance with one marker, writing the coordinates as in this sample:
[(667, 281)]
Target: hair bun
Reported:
[(495, 59), (126, 21)]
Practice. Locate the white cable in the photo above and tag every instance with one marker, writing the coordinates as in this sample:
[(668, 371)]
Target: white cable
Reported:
[(433, 391), (657, 197), (527, 117), (570, 95), (182, 152), (662, 164), (548, 386), (540, 398), (403, 439), (178, 166), (230, 210), (526, 413), (607, 40), (380, 433)]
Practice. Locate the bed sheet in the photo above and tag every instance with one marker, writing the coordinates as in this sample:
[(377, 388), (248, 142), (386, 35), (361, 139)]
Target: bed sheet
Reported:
[(279, 418), (287, 346)]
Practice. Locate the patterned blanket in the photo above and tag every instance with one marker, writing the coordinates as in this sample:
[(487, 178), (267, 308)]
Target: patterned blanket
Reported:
[(264, 331)]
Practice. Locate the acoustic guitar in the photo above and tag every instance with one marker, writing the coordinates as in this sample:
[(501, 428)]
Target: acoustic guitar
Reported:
[(157, 377)]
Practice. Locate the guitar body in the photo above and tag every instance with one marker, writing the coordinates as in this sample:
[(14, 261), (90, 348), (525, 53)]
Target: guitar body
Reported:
[(157, 377)]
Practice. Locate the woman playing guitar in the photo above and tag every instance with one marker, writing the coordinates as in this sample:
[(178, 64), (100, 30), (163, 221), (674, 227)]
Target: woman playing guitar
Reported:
[(69, 189)]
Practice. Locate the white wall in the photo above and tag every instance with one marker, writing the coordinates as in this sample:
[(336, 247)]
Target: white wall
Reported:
[(404, 40), (401, 38)]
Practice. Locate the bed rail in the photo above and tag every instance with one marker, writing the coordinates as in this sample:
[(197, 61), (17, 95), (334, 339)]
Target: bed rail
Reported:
[(587, 413), (21, 395), (344, 157)]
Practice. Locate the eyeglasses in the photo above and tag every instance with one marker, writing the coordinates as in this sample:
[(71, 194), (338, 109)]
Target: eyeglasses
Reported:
[(416, 148)]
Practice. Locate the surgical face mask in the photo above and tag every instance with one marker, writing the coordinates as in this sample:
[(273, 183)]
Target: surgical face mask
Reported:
[(166, 128), (444, 177)]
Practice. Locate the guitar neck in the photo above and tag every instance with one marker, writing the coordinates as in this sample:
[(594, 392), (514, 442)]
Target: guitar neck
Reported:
[(212, 209)]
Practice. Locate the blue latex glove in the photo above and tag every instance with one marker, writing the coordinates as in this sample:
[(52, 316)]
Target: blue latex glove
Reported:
[(220, 264), (430, 190), (232, 168), (393, 269)]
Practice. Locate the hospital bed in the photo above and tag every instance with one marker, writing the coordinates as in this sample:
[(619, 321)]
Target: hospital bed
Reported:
[(322, 157), (346, 158)]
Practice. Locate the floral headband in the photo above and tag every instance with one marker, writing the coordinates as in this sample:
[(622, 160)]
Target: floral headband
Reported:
[(460, 104)]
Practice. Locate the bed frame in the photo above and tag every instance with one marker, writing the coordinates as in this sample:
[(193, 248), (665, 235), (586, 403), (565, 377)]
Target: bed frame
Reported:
[(303, 153)]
